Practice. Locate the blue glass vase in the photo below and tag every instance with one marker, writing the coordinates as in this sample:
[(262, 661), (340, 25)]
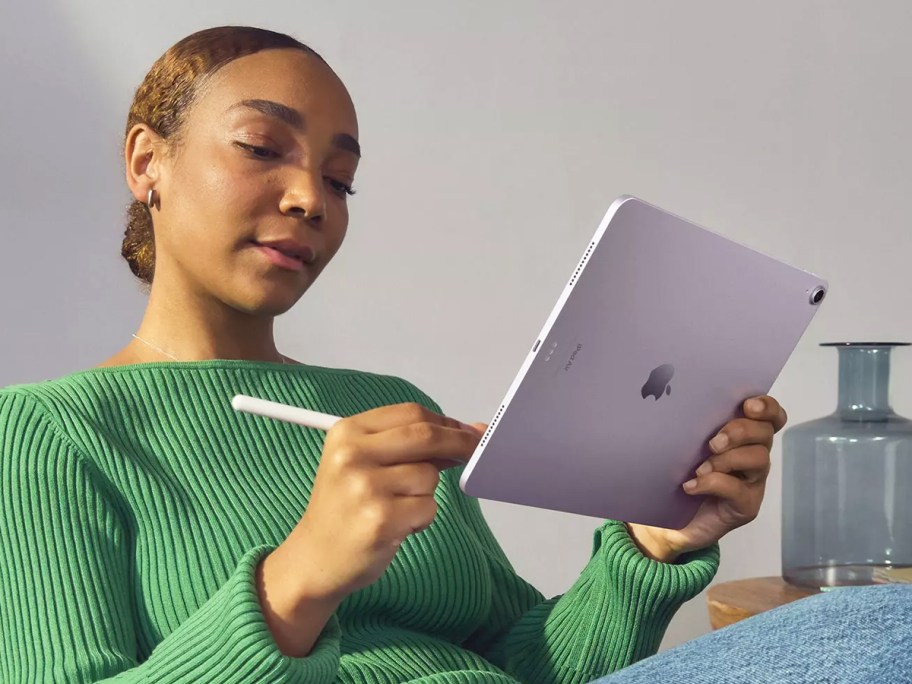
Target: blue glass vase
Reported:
[(847, 480)]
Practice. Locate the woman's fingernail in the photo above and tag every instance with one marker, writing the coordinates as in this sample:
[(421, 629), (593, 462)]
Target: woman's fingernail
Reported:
[(690, 485), (705, 468), (755, 405), (719, 442)]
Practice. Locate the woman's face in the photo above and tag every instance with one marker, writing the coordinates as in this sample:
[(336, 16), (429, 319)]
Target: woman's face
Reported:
[(266, 153)]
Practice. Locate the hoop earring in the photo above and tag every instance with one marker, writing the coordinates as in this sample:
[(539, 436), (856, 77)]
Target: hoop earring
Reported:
[(149, 199)]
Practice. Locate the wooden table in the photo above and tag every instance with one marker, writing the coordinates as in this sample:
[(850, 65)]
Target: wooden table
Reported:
[(730, 602)]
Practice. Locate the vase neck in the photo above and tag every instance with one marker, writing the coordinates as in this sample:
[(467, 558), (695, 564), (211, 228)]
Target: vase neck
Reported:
[(864, 383)]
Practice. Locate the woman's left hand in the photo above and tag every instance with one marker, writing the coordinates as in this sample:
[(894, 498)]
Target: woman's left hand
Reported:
[(733, 478)]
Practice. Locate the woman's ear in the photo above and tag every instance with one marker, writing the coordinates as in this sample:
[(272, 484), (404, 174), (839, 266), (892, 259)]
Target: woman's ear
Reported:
[(143, 152)]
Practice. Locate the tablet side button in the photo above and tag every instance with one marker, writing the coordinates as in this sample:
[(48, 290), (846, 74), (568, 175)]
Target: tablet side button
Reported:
[(537, 342)]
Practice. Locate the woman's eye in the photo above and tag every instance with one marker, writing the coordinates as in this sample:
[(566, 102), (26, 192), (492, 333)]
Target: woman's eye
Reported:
[(340, 188), (258, 151)]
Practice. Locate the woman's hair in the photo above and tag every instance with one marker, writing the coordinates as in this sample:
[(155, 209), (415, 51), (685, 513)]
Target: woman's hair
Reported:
[(166, 95)]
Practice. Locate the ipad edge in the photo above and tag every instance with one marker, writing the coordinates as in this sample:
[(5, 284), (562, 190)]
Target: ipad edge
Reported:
[(546, 328)]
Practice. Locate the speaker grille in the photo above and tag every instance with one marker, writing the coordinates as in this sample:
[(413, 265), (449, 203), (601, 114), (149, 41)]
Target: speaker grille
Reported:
[(491, 427), (582, 263)]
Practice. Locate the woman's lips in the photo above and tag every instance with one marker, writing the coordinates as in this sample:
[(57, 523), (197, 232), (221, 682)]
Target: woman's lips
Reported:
[(281, 259)]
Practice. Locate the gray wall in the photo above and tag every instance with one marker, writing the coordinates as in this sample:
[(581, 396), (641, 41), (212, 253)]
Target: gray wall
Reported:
[(495, 136)]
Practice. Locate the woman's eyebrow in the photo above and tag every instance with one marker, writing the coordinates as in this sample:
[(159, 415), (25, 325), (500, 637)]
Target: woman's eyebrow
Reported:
[(274, 109), (294, 119), (346, 142)]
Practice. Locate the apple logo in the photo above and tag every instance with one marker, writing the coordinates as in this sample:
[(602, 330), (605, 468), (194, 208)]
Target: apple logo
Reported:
[(657, 384)]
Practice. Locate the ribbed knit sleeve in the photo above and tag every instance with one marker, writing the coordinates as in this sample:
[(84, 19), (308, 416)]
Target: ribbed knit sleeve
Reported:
[(615, 614), (66, 612)]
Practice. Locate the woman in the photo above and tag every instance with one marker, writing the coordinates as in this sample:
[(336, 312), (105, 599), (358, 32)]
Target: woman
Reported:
[(153, 534)]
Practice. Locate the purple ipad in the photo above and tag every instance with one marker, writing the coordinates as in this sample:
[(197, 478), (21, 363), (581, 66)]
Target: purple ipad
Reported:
[(661, 333)]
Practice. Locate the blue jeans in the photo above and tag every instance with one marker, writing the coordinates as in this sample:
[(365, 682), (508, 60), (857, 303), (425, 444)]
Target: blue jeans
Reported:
[(852, 635)]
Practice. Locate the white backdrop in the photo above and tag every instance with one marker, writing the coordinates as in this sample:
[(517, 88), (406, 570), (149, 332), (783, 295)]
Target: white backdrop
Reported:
[(495, 135)]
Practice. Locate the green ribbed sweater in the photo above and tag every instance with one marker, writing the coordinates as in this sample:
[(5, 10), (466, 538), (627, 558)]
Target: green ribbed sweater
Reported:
[(136, 503)]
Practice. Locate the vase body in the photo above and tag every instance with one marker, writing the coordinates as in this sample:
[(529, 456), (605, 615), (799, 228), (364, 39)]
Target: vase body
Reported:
[(847, 480)]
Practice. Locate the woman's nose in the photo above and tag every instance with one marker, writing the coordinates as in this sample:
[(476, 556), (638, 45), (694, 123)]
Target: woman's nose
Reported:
[(304, 197)]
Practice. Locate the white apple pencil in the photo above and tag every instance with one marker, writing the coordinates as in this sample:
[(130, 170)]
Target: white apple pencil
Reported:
[(290, 414)]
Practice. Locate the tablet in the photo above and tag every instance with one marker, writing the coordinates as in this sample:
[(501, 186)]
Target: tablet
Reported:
[(661, 333)]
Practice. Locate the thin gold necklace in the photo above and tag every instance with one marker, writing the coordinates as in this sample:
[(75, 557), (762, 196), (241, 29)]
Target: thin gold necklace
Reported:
[(162, 351)]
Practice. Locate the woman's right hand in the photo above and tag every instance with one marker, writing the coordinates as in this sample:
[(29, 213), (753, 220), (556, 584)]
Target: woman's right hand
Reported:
[(374, 486)]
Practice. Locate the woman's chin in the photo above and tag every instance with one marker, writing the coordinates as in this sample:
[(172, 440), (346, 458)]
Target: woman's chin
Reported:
[(267, 300)]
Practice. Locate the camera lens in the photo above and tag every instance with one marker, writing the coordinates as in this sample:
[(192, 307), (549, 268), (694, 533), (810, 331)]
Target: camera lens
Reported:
[(817, 295)]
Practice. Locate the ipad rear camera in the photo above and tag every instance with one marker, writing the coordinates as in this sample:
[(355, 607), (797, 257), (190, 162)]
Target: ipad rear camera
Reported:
[(817, 295)]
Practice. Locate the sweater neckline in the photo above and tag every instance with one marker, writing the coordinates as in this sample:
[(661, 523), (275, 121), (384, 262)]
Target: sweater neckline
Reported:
[(205, 364)]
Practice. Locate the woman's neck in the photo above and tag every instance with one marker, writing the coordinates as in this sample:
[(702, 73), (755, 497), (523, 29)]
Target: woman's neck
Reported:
[(182, 326)]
